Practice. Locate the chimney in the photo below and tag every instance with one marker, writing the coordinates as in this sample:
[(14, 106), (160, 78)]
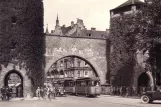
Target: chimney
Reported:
[(64, 26), (52, 31), (93, 29)]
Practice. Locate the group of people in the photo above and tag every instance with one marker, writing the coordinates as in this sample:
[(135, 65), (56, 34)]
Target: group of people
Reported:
[(46, 92), (128, 91), (6, 93)]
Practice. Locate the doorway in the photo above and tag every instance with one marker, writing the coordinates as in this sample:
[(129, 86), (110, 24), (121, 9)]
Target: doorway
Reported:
[(14, 80), (144, 83)]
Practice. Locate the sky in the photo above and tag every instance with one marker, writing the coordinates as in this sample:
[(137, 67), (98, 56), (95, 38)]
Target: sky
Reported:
[(94, 13)]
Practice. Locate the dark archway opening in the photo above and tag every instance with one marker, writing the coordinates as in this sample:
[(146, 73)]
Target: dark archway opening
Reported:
[(14, 80), (143, 83), (70, 67)]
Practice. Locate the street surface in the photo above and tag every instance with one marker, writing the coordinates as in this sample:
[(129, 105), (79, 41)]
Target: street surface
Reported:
[(74, 101)]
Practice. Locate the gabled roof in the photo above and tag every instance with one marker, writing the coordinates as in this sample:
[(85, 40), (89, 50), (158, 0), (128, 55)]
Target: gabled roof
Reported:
[(128, 3)]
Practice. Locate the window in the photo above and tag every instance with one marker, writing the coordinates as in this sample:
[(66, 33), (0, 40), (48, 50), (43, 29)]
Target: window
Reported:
[(55, 65), (78, 73), (61, 72), (61, 63), (48, 73), (14, 19), (72, 73), (66, 63), (79, 63), (86, 72), (86, 64), (89, 35)]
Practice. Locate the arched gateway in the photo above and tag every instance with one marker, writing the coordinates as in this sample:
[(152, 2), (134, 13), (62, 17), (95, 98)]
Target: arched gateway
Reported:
[(14, 80), (145, 82), (91, 50)]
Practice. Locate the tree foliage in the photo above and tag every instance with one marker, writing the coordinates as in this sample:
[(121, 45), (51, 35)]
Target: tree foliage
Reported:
[(138, 31), (122, 41), (148, 32)]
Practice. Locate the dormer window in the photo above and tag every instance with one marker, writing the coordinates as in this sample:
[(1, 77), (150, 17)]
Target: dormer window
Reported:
[(89, 34)]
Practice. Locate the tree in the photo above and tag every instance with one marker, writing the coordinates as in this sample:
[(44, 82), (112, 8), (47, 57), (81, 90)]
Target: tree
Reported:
[(147, 28)]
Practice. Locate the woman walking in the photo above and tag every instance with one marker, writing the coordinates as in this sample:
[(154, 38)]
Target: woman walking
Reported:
[(49, 93)]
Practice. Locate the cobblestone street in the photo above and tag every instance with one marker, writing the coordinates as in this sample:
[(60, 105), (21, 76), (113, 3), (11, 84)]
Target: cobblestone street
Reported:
[(73, 101)]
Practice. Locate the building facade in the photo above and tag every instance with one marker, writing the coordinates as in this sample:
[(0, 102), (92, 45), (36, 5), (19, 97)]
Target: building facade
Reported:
[(69, 67)]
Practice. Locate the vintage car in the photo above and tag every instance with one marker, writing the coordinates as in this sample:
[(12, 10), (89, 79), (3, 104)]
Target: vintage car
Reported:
[(60, 92), (59, 85), (150, 96)]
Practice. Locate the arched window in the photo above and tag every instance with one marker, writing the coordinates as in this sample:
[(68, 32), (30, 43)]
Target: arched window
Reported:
[(48, 73), (61, 72), (14, 19)]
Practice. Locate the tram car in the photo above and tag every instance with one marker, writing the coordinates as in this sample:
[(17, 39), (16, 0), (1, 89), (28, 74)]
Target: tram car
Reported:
[(69, 86), (88, 87)]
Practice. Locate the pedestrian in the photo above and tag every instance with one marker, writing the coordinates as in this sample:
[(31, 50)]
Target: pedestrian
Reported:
[(121, 91), (133, 91), (38, 92), (53, 90), (48, 93), (42, 92), (8, 93), (3, 93), (45, 92), (127, 91)]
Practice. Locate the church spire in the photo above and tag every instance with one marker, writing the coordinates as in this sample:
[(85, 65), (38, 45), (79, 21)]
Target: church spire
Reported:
[(57, 20), (47, 31)]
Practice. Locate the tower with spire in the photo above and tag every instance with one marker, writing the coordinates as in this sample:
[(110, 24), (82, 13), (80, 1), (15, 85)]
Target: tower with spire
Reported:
[(57, 20), (57, 30)]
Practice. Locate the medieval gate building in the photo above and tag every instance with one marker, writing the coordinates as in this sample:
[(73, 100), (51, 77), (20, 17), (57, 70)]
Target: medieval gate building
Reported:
[(76, 41), (21, 45), (132, 65)]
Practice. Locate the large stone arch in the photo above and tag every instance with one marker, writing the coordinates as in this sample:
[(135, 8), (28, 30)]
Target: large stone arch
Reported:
[(5, 79), (101, 74)]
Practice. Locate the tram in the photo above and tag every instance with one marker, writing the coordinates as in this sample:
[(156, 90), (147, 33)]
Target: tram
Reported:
[(69, 86), (88, 87), (83, 86)]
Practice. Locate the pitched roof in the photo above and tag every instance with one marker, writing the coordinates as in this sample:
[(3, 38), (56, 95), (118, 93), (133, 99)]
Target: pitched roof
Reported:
[(94, 34), (129, 2)]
